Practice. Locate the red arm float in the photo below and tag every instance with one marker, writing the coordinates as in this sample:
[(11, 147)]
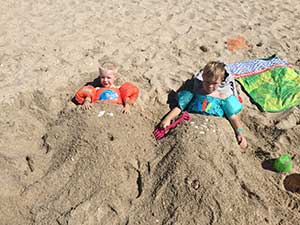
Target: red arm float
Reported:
[(84, 92), (129, 92)]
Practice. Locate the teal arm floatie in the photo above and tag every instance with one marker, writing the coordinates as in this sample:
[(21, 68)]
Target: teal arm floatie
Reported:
[(231, 106), (184, 98)]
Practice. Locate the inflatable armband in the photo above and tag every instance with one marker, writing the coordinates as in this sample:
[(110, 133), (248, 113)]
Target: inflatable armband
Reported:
[(231, 106), (128, 92), (184, 98), (84, 92)]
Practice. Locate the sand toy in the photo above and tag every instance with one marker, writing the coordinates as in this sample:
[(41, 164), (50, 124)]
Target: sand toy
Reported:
[(159, 132)]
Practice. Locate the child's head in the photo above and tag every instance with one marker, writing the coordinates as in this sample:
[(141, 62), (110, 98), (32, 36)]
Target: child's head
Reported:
[(213, 74), (107, 74)]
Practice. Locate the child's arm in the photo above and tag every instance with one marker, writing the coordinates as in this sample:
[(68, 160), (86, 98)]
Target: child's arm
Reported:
[(184, 98), (236, 125), (171, 115), (127, 104), (87, 104), (85, 96), (129, 94)]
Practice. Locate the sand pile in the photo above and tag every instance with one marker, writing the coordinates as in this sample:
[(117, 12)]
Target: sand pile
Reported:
[(96, 168)]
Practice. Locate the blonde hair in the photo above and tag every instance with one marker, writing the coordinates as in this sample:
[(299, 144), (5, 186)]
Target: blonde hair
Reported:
[(213, 71), (107, 66)]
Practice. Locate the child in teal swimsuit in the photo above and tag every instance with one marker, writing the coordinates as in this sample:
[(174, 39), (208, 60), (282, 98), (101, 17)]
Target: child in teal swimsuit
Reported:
[(208, 100)]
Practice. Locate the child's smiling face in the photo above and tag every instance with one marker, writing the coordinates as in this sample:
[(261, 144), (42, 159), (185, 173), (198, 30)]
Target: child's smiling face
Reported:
[(107, 78)]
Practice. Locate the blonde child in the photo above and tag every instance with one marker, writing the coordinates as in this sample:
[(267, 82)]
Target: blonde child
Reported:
[(208, 100), (126, 94)]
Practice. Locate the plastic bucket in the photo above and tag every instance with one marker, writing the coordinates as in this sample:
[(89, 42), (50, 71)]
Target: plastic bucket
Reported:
[(283, 164)]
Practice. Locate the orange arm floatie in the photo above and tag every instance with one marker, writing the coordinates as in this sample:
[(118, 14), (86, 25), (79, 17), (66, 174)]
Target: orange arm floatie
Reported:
[(84, 92), (129, 92)]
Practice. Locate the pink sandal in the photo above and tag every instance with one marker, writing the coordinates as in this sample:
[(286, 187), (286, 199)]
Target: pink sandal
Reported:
[(159, 132)]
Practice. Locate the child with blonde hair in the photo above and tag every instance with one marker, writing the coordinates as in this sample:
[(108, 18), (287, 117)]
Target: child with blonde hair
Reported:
[(126, 94), (208, 100)]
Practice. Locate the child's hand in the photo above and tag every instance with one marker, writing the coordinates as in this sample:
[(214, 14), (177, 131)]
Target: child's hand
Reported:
[(87, 104), (164, 123), (242, 141), (125, 109)]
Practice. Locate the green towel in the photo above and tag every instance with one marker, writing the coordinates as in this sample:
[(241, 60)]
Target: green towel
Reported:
[(275, 90)]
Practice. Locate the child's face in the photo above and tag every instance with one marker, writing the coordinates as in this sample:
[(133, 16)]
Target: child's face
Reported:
[(211, 86), (107, 78)]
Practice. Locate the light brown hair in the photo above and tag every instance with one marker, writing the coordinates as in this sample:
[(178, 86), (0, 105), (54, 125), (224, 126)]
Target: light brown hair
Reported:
[(107, 66), (213, 71)]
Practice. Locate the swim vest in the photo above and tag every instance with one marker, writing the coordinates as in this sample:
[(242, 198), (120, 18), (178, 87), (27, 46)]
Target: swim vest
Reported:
[(208, 105), (127, 92)]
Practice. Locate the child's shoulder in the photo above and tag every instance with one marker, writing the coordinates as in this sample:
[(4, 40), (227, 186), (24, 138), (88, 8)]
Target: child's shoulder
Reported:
[(127, 85), (221, 95)]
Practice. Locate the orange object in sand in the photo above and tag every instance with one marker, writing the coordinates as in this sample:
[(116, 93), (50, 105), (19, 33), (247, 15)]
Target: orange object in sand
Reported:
[(129, 92), (84, 92), (236, 43), (126, 93)]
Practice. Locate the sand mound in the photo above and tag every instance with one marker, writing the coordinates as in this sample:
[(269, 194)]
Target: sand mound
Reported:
[(95, 168)]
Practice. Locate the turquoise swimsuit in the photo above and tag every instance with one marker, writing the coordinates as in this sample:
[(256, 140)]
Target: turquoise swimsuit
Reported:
[(208, 105)]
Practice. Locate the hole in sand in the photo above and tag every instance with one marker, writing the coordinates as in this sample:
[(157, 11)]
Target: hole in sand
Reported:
[(292, 183), (268, 164), (195, 184)]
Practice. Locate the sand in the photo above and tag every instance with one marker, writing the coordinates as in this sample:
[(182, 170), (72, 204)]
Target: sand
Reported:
[(62, 165)]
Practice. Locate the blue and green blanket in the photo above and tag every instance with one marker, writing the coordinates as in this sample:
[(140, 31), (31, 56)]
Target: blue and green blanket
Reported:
[(271, 83)]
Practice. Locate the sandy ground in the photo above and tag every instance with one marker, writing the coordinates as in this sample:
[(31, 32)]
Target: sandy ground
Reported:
[(61, 165)]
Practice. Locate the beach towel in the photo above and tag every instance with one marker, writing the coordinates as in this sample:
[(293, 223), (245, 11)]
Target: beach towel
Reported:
[(275, 89), (251, 67)]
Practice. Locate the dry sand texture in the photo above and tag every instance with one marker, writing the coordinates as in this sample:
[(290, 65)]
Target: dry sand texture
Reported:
[(60, 165)]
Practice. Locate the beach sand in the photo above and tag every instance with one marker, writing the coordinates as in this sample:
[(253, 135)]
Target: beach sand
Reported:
[(62, 165)]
